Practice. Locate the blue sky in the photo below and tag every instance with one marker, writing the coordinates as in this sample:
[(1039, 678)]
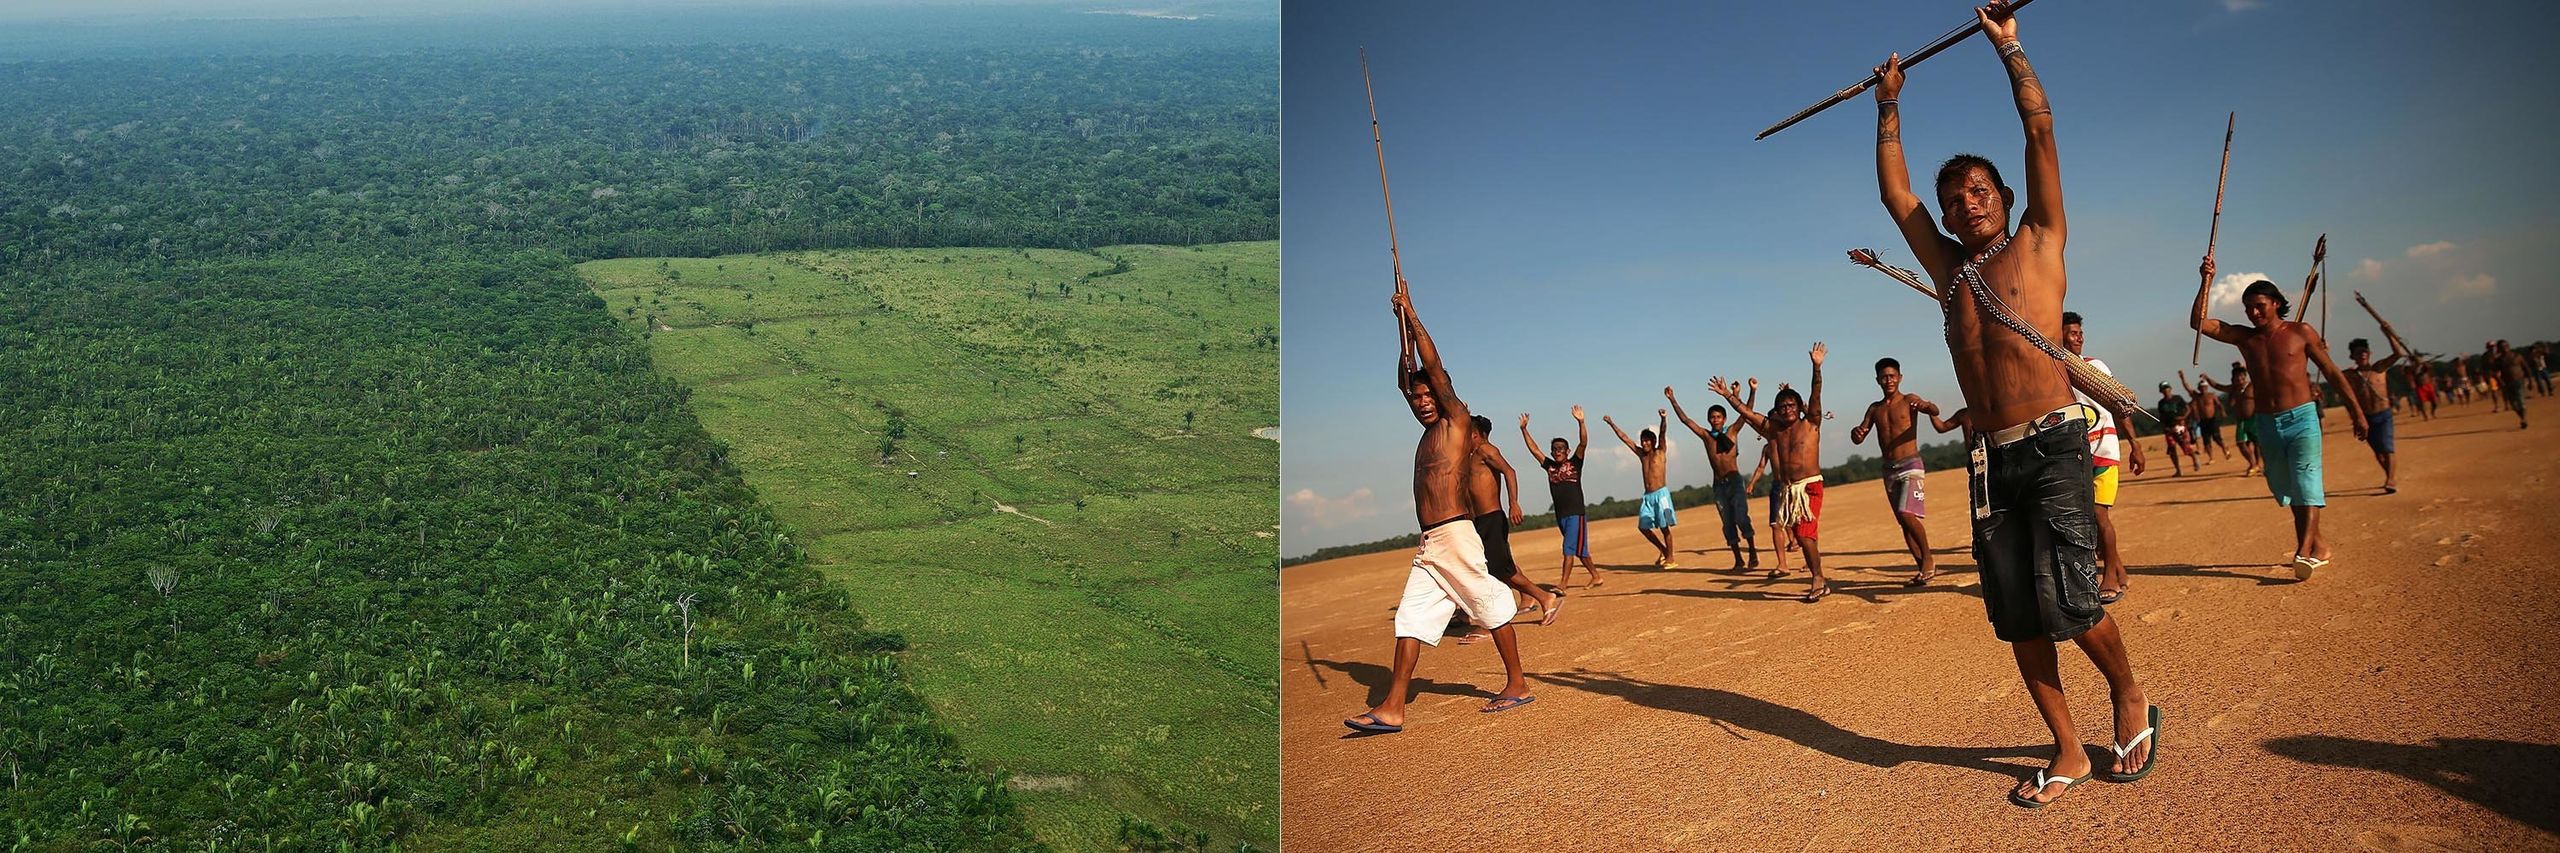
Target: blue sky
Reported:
[(1585, 217)]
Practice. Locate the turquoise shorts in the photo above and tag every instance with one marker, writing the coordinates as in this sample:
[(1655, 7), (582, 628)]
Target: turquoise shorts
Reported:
[(2289, 444), (1655, 513)]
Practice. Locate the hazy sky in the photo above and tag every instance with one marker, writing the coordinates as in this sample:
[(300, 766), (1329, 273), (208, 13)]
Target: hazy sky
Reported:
[(1586, 218)]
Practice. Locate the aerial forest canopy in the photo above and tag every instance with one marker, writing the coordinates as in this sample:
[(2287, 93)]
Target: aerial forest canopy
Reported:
[(339, 512), (612, 151)]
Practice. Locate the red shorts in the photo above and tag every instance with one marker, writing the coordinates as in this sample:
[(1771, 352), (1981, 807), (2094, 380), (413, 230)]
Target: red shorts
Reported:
[(2426, 393), (1811, 526)]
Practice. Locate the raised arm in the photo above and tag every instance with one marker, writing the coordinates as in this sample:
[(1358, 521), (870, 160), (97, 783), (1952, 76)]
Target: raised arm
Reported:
[(1632, 447), (1510, 478), (1429, 356), (1525, 438), (1893, 177), (1684, 413), (1758, 423), (1662, 427), (1814, 398), (2044, 169), (1581, 433), (2199, 321), (2186, 387), (1752, 399), (1404, 347)]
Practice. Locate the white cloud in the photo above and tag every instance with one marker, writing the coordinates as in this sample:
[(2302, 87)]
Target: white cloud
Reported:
[(2469, 286), (1325, 513), (2429, 250), (2367, 270), (2226, 290), (2242, 5)]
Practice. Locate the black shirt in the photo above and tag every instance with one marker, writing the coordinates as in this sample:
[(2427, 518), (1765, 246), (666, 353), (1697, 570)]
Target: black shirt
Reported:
[(1564, 484)]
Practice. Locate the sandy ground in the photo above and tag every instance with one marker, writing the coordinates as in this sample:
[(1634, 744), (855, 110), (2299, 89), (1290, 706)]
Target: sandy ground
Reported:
[(2403, 699)]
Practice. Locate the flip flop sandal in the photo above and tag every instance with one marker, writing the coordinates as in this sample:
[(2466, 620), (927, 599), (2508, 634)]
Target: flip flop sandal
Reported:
[(1373, 726), (2042, 780), (2149, 761), (2110, 597), (1818, 595), (2303, 566), (1505, 703), (1920, 580)]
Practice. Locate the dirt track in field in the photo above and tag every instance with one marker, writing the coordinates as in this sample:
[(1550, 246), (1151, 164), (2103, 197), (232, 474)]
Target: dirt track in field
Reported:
[(2406, 698)]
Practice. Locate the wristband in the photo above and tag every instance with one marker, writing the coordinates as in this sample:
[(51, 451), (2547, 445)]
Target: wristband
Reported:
[(2012, 48), (1882, 103)]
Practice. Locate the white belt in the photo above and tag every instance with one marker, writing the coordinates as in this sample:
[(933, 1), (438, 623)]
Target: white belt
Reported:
[(2046, 421)]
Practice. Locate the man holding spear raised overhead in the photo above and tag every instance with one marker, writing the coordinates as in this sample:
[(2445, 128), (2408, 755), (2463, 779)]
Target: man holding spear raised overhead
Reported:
[(1449, 573), (2034, 520), (2288, 422)]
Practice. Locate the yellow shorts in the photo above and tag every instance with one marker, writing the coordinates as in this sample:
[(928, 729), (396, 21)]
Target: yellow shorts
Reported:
[(2107, 486)]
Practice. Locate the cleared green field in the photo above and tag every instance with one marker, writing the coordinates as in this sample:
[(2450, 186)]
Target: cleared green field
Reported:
[(1039, 467)]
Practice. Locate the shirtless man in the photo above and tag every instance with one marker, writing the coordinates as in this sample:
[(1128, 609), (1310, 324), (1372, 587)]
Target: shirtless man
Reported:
[(2288, 425), (1448, 573), (2176, 433), (1794, 429), (2106, 448), (1733, 502), (1487, 481), (1564, 486), (1654, 511), (2244, 414), (2509, 367), (2205, 419), (2371, 382), (1897, 431), (2539, 356), (2035, 530)]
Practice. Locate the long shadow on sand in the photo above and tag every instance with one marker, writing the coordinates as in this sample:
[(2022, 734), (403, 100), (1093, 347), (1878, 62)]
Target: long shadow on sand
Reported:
[(2229, 500), (1786, 589), (2514, 779), (1377, 678), (2263, 575), (1893, 552), (1734, 711)]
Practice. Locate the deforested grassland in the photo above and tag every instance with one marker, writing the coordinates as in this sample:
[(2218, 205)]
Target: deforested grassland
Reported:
[(1039, 468)]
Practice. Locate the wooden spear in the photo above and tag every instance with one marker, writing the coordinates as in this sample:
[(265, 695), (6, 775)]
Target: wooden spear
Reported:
[(2214, 232), (1943, 42), (1395, 256)]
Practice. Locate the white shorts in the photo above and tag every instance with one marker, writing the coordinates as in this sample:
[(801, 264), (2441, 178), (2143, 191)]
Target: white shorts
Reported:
[(1449, 575)]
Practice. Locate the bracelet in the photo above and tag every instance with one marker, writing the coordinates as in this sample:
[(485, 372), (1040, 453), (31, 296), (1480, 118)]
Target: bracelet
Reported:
[(2012, 48), (1882, 103)]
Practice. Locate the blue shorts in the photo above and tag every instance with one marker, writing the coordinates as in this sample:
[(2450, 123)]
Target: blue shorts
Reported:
[(1577, 536), (2377, 431), (1655, 513), (2289, 445)]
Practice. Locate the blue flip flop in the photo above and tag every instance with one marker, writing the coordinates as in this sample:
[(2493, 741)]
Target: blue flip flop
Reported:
[(1505, 703), (1373, 726)]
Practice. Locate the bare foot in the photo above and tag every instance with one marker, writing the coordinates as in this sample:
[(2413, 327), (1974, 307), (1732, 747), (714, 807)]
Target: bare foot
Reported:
[(1474, 637)]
